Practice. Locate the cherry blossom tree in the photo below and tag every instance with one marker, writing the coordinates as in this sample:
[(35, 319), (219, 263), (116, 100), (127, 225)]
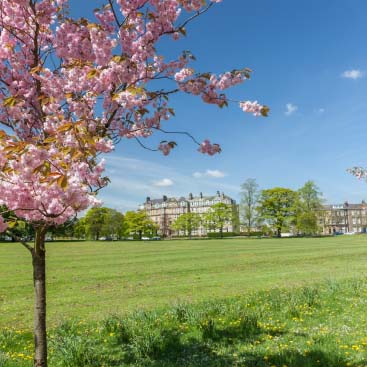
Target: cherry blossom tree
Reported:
[(73, 88)]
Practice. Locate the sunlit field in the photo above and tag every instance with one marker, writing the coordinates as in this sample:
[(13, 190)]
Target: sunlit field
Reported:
[(232, 302), (94, 279)]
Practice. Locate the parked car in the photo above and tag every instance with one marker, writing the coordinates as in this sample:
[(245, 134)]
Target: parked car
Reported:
[(145, 238), (156, 238)]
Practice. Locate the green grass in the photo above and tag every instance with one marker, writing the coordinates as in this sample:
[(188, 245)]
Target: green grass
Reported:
[(217, 303), (313, 326), (90, 280)]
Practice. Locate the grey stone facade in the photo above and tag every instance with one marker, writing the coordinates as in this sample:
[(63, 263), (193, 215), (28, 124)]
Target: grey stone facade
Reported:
[(166, 210)]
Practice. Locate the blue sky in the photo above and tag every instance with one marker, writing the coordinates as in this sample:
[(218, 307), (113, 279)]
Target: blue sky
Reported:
[(310, 67)]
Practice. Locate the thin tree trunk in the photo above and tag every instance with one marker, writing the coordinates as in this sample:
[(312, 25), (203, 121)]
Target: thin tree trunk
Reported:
[(279, 232), (39, 282)]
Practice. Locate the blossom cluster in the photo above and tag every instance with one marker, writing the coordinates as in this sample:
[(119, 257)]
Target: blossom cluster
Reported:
[(252, 107), (207, 147)]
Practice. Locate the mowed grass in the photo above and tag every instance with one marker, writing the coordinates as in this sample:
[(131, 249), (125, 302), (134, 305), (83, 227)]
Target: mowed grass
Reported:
[(91, 280)]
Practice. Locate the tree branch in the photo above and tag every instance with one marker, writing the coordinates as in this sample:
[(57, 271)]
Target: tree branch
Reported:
[(22, 242)]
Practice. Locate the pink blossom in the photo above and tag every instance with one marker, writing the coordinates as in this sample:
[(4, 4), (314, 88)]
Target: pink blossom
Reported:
[(251, 107), (206, 147), (183, 74)]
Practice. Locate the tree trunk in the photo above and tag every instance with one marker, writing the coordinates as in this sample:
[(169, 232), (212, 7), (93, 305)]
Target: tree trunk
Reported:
[(39, 283), (279, 232)]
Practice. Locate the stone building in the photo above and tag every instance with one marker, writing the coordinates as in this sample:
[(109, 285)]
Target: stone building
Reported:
[(166, 210), (343, 218)]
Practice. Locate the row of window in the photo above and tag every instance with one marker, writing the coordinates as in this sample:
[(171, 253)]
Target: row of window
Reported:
[(192, 203), (344, 213)]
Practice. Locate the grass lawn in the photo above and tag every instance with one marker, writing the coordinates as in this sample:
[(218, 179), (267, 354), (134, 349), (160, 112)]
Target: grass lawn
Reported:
[(91, 280)]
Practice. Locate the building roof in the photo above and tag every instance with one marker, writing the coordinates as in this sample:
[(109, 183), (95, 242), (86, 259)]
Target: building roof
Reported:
[(346, 205), (189, 198)]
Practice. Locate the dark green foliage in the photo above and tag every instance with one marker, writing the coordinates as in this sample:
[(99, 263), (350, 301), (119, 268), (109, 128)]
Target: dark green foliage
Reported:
[(223, 234), (278, 207), (102, 222), (218, 216), (139, 224)]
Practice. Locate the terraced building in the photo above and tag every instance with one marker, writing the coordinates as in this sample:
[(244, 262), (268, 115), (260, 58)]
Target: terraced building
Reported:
[(343, 218), (165, 211)]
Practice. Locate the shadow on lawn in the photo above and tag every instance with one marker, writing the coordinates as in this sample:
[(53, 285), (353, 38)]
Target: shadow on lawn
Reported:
[(199, 355), (176, 352), (315, 358), (218, 347)]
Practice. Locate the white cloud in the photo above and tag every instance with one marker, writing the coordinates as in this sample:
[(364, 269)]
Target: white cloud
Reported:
[(353, 74), (291, 108), (165, 182), (321, 110), (209, 173)]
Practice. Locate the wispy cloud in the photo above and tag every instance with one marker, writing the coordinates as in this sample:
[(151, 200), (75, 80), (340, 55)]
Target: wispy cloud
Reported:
[(320, 110), (353, 74), (209, 173), (165, 182), (290, 109)]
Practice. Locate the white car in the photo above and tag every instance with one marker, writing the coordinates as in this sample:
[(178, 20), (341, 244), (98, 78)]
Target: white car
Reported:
[(145, 238)]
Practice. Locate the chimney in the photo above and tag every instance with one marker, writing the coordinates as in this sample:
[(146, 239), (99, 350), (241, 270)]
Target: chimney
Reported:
[(201, 195), (190, 196)]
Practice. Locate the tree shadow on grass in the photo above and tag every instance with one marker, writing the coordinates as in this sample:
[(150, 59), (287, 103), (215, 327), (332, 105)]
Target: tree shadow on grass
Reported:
[(197, 354), (315, 358), (172, 348), (172, 351)]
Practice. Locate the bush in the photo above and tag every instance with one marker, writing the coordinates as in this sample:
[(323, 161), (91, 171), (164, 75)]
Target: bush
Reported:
[(224, 234), (253, 233)]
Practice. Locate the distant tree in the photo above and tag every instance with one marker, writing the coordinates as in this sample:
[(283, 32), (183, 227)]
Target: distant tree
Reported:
[(187, 223), (94, 222), (80, 230), (139, 223), (309, 204), (218, 216), (249, 200), (307, 223), (310, 197), (278, 207), (64, 230), (113, 224), (105, 222)]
